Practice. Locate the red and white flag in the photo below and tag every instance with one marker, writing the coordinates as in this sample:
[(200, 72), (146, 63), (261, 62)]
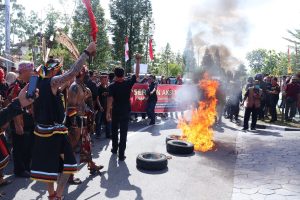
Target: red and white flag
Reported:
[(126, 49), (151, 55)]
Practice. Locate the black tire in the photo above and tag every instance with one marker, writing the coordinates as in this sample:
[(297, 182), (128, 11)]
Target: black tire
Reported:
[(179, 147), (172, 137), (151, 161)]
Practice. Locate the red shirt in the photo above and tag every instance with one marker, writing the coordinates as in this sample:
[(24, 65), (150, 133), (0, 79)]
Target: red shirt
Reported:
[(292, 90)]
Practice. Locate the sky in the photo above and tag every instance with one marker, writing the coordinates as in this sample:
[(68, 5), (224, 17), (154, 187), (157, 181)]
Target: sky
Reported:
[(255, 23)]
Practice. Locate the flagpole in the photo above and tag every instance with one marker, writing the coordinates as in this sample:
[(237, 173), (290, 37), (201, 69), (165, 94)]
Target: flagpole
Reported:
[(7, 32)]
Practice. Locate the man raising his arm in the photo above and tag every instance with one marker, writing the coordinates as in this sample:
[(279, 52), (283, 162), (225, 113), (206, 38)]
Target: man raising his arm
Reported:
[(118, 107)]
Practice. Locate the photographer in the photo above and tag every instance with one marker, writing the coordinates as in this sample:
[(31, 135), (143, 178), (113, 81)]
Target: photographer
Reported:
[(6, 115), (252, 101)]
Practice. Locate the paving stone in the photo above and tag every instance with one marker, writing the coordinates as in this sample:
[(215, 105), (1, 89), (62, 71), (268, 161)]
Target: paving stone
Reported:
[(285, 192), (249, 191), (290, 187), (275, 197), (292, 197), (271, 186), (272, 164), (236, 190), (266, 191), (295, 182), (258, 197), (240, 196), (245, 186)]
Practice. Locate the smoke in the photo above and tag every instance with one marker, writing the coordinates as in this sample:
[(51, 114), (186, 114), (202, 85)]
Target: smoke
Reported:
[(227, 60), (219, 24), (220, 20)]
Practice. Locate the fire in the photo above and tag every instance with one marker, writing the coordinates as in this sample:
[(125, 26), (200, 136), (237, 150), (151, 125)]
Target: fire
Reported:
[(199, 130)]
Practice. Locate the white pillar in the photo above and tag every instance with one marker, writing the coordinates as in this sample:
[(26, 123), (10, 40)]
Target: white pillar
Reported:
[(7, 32)]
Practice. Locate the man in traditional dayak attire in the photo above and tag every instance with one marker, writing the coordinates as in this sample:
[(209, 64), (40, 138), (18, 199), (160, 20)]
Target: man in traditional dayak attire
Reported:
[(79, 107), (53, 159)]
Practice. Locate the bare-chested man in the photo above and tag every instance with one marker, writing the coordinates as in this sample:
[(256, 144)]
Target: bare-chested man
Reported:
[(78, 112)]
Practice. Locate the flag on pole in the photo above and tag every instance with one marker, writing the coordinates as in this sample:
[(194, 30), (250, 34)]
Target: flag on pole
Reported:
[(126, 49), (151, 50)]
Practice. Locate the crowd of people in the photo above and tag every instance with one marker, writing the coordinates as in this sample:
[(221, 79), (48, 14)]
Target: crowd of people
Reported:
[(70, 108), (73, 106), (262, 98)]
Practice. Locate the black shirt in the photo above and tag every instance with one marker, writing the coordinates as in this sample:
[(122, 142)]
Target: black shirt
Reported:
[(120, 91), (48, 108), (93, 87), (3, 90), (103, 94), (277, 89), (12, 110), (27, 117), (152, 97)]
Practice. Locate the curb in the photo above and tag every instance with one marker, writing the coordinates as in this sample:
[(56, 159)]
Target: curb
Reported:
[(275, 127)]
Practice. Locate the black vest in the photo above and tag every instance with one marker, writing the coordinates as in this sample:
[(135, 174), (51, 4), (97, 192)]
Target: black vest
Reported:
[(48, 108)]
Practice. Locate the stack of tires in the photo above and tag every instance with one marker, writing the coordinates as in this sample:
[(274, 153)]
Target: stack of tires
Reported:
[(177, 146), (151, 161)]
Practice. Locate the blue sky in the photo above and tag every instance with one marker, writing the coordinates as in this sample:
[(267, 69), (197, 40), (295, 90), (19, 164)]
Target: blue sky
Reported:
[(266, 21)]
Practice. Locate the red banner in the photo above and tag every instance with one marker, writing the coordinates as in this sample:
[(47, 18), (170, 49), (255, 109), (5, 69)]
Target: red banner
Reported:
[(166, 99)]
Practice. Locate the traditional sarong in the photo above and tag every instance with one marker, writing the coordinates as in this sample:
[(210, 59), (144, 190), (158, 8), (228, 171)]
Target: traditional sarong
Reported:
[(78, 133), (4, 152), (52, 153)]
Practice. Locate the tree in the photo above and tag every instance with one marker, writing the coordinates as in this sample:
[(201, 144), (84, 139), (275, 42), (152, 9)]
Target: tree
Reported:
[(130, 18), (207, 60), (167, 63), (268, 61), (81, 33), (51, 21), (241, 73), (175, 69), (18, 26), (189, 55), (256, 59)]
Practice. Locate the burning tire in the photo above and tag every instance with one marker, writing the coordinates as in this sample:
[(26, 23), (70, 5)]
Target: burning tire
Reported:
[(179, 147), (151, 161), (172, 137)]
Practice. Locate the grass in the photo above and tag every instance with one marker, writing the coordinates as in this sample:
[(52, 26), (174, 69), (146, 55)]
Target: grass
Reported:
[(280, 122)]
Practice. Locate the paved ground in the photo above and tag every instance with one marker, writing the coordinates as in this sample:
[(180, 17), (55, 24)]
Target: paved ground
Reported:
[(267, 164)]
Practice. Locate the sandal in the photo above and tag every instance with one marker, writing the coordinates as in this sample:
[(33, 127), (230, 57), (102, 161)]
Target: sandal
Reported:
[(93, 167), (74, 181)]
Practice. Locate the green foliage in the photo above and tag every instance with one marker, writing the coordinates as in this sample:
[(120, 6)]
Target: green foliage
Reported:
[(268, 62), (81, 33), (256, 59), (167, 63), (175, 69), (130, 18)]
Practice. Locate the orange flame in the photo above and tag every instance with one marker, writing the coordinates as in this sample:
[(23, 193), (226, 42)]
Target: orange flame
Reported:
[(199, 130)]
